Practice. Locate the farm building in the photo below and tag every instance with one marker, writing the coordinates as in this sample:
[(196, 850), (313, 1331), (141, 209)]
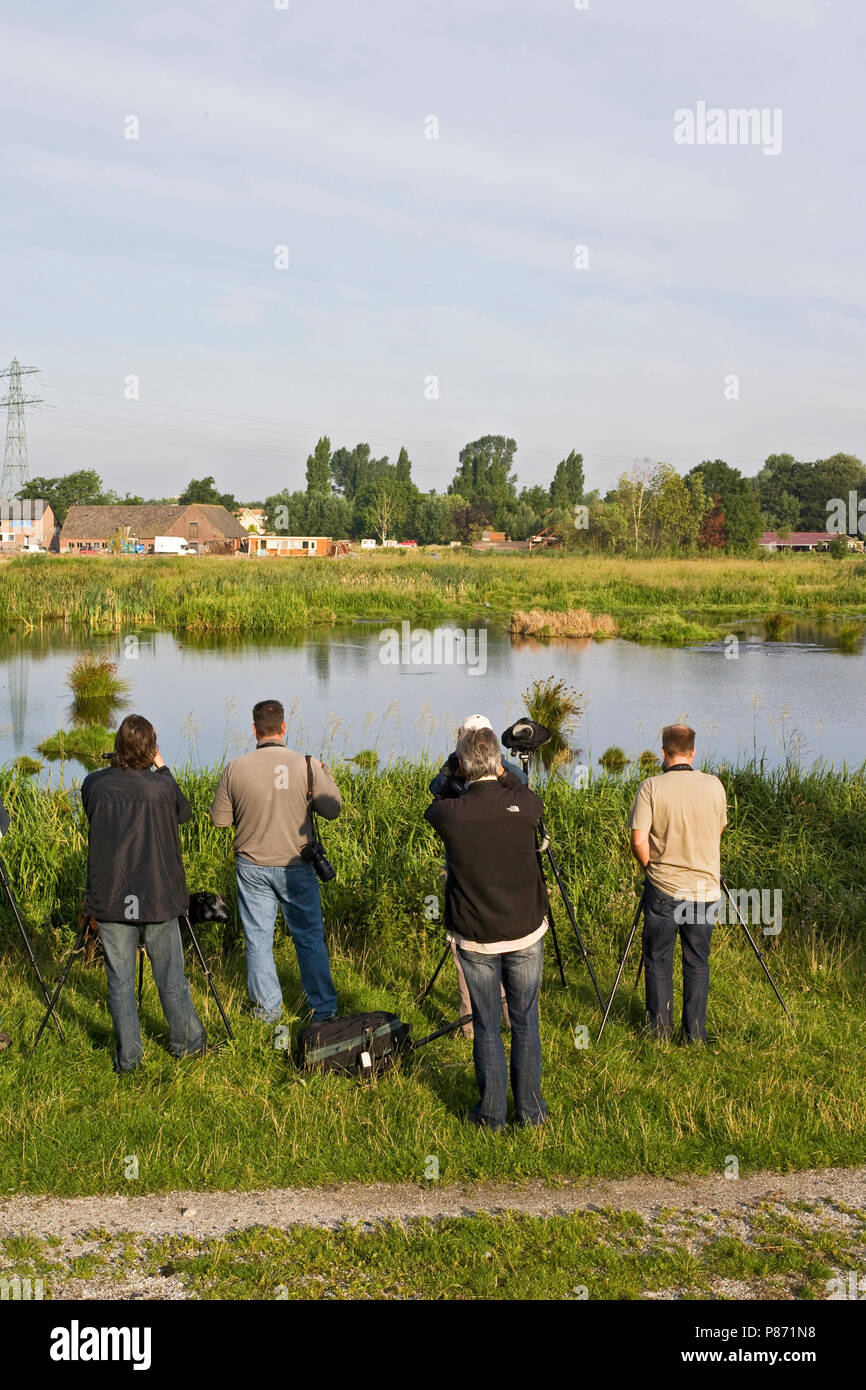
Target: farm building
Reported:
[(206, 526), (804, 541), (293, 547), (25, 525)]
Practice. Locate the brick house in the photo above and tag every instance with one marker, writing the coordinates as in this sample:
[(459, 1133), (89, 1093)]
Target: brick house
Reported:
[(25, 524), (207, 526)]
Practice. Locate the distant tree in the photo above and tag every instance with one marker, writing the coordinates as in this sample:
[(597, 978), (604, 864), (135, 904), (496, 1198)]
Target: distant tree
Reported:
[(827, 481), (633, 494), (484, 475), (319, 467), (469, 520), (568, 482), (434, 523), (403, 468), (205, 492), (740, 501), (609, 526), (83, 488), (308, 514), (787, 515), (385, 505), (676, 509), (353, 469), (712, 535)]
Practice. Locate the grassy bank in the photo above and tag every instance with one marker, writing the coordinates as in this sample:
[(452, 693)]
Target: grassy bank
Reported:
[(243, 1117), (653, 600)]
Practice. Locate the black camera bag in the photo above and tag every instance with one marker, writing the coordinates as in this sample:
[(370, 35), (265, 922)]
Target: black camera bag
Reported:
[(362, 1044)]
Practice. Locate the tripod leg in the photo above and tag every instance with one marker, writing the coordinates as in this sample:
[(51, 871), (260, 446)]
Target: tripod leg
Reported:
[(638, 975), (209, 977), (28, 948), (434, 977), (621, 966), (759, 954), (570, 910), (556, 950), (79, 944)]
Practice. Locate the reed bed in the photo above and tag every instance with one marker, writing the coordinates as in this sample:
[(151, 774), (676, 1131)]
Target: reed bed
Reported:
[(653, 600)]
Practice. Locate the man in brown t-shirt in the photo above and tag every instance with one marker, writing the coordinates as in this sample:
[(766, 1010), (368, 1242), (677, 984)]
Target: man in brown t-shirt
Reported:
[(676, 823), (263, 794)]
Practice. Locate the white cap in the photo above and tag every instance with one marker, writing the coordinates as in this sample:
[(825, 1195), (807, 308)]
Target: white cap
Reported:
[(474, 721)]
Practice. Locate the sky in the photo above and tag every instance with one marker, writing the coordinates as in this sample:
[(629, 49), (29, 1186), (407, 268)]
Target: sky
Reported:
[(432, 293)]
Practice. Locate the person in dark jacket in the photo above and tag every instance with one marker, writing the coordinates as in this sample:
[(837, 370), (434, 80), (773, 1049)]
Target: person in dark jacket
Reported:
[(136, 886), (449, 783), (495, 910), (5, 1040)]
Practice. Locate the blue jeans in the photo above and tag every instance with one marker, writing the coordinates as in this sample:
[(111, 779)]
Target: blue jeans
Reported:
[(295, 890), (165, 953), (663, 918), (519, 972)]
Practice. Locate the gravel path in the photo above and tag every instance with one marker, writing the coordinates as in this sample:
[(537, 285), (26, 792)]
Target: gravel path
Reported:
[(208, 1214)]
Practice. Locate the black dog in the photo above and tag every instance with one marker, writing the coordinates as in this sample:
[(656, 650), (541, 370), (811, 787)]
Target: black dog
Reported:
[(208, 907)]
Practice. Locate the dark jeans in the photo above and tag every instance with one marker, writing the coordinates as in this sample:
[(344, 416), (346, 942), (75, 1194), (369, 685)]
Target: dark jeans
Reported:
[(663, 918), (165, 953), (519, 972)]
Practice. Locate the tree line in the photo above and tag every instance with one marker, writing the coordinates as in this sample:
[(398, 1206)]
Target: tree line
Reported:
[(652, 508)]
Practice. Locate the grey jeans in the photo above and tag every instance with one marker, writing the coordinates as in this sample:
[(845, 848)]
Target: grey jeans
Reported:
[(165, 953)]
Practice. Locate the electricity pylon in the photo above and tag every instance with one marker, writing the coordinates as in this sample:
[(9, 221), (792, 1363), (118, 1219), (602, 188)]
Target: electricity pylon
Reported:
[(16, 464)]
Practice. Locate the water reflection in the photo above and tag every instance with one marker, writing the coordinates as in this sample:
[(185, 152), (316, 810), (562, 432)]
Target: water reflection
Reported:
[(799, 697)]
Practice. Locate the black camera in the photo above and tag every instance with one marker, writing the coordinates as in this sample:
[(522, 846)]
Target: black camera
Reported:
[(525, 735), (315, 854)]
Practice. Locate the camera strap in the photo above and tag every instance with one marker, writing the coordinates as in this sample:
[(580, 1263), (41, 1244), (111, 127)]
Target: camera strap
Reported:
[(314, 829)]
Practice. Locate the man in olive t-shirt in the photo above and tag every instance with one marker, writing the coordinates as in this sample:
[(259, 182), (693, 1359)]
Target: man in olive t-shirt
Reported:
[(676, 823)]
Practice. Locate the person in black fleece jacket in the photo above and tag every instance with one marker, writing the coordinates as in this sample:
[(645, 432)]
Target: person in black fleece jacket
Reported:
[(495, 910), (136, 886)]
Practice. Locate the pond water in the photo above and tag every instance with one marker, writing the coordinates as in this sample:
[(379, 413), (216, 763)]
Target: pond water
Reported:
[(798, 698)]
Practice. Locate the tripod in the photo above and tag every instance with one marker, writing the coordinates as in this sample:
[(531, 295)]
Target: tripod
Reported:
[(13, 907), (545, 848), (640, 907), (79, 946)]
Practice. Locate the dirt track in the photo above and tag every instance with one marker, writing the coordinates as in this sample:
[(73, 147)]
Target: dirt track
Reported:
[(206, 1214)]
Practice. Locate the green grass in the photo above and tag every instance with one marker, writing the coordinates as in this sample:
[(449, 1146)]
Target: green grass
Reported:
[(672, 601), (243, 1117), (599, 1255), (614, 759), (96, 688), (86, 743)]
